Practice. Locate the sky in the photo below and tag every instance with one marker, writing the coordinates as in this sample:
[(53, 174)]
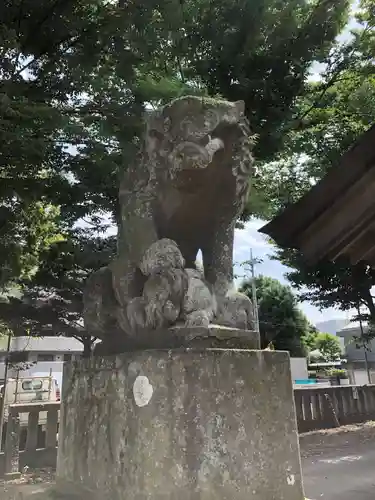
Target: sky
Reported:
[(249, 238)]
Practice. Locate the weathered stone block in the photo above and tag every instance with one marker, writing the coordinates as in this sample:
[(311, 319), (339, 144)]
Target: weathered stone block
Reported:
[(182, 337), (188, 424)]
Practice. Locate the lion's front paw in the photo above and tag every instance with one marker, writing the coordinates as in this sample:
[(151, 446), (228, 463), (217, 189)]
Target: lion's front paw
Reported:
[(197, 318), (235, 310)]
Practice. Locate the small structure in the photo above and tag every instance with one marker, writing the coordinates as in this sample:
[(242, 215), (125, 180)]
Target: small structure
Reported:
[(361, 358), (337, 216), (40, 355)]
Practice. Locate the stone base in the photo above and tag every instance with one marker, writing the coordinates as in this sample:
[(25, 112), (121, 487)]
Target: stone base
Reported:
[(181, 336), (189, 424)]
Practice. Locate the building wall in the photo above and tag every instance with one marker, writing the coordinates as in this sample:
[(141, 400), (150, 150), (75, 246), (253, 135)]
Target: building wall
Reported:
[(41, 344), (298, 368), (54, 368), (352, 352), (360, 377), (41, 368), (47, 355)]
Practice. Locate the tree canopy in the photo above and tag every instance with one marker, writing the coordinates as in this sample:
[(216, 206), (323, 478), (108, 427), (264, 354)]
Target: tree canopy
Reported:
[(328, 284), (280, 319), (322, 346), (328, 346), (76, 79), (335, 113)]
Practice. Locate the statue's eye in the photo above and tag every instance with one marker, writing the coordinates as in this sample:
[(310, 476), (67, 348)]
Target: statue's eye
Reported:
[(211, 119)]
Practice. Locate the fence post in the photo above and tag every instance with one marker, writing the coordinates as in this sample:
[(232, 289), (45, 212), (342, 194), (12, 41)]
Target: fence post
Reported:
[(2, 409), (51, 433), (32, 431), (12, 447), (298, 402), (331, 410)]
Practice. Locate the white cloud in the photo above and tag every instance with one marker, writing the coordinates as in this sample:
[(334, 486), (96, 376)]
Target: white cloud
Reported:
[(250, 237)]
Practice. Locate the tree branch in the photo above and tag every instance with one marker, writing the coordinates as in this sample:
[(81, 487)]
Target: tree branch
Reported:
[(72, 43), (43, 53), (333, 80)]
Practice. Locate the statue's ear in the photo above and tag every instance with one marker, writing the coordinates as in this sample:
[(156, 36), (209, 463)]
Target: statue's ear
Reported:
[(240, 106)]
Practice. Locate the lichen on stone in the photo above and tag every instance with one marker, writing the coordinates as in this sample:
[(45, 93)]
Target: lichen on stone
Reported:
[(183, 194)]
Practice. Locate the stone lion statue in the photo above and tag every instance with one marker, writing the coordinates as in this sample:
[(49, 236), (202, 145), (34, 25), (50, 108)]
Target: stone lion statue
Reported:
[(183, 194)]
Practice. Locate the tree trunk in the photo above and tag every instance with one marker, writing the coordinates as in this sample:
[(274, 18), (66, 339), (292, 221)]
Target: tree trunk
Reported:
[(87, 347), (367, 298)]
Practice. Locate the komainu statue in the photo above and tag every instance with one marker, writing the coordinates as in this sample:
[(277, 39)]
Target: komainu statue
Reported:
[(183, 193)]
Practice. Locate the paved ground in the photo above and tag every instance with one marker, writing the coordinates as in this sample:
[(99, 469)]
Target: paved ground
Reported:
[(32, 486), (337, 465), (340, 465)]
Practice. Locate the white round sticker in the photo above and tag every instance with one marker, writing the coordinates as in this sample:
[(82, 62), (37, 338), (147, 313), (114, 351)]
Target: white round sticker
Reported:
[(142, 390)]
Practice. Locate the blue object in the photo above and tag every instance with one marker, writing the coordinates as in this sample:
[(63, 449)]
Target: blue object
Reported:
[(305, 381)]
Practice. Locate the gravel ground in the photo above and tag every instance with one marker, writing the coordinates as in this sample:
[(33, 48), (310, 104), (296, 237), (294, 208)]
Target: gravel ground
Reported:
[(339, 464), (32, 484), (332, 441)]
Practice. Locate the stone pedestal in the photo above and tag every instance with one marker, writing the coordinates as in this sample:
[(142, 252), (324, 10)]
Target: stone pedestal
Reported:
[(184, 424), (182, 337)]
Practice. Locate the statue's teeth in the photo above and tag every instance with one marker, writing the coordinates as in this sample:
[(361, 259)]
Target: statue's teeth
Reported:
[(213, 146)]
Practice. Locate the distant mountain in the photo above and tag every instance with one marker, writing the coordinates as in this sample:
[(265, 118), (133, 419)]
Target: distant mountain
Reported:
[(332, 326)]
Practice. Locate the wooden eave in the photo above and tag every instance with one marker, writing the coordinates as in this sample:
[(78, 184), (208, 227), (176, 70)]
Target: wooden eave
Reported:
[(337, 216)]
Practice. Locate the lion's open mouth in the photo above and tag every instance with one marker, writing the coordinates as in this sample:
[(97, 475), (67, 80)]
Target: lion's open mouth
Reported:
[(198, 154), (192, 159), (193, 155)]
